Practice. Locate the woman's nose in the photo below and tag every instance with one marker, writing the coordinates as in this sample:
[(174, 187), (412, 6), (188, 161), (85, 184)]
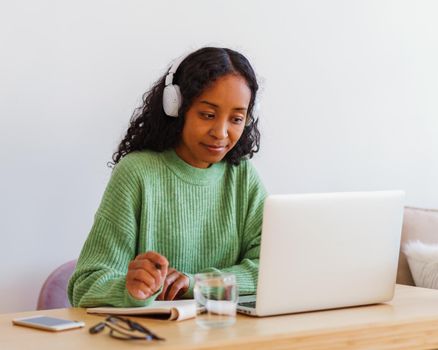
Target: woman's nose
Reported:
[(219, 130)]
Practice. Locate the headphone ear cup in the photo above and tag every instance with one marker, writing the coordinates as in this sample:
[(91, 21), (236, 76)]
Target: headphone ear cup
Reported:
[(254, 117), (248, 121), (172, 100)]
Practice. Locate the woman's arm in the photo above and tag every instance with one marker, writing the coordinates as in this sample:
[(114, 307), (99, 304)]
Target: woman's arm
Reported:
[(100, 275)]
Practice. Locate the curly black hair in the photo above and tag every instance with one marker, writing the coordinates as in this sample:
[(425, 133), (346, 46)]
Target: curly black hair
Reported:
[(150, 128)]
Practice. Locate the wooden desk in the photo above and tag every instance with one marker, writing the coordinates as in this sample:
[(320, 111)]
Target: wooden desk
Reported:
[(409, 321)]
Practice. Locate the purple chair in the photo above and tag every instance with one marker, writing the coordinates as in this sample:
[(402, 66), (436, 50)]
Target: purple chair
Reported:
[(53, 294)]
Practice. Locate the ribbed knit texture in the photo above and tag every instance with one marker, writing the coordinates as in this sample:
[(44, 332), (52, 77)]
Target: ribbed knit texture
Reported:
[(200, 219)]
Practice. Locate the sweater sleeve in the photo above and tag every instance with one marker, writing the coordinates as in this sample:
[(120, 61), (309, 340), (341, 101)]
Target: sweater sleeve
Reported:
[(246, 269), (100, 275)]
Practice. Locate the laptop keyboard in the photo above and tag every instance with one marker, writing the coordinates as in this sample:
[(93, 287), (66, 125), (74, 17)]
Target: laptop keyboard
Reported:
[(248, 303)]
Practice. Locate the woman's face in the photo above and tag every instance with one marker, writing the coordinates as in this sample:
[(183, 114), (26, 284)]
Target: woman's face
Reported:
[(215, 121)]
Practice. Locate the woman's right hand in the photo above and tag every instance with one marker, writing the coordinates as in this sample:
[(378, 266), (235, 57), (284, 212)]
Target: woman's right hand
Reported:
[(146, 274)]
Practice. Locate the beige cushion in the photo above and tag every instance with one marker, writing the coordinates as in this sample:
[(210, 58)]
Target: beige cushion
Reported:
[(423, 263), (418, 224)]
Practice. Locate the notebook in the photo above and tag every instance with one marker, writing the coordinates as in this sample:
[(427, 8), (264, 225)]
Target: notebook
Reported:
[(175, 310), (324, 251)]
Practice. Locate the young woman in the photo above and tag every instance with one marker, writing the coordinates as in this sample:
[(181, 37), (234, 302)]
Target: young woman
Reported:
[(183, 198)]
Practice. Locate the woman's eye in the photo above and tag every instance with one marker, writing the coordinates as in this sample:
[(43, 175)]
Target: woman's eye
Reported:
[(207, 115), (237, 120)]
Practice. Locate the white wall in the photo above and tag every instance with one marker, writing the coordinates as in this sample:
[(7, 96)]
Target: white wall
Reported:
[(349, 102)]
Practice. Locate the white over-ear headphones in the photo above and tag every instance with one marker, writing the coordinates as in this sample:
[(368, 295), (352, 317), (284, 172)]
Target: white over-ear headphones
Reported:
[(172, 98)]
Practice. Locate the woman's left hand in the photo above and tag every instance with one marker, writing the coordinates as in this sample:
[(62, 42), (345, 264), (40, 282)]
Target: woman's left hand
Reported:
[(175, 285)]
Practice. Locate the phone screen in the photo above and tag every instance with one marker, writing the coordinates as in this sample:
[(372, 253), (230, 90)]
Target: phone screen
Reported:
[(48, 321)]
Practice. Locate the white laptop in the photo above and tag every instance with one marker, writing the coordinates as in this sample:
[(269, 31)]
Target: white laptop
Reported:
[(324, 251)]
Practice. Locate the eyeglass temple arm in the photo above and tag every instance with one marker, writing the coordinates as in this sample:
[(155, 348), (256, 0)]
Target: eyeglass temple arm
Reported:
[(97, 328), (140, 328)]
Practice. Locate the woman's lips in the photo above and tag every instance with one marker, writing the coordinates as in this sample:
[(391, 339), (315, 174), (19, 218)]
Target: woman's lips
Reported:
[(215, 148)]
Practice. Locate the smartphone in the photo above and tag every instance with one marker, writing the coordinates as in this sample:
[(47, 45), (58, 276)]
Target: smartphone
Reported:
[(47, 323)]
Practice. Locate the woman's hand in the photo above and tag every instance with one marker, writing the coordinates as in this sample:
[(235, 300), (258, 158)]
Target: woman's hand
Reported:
[(146, 273), (175, 285)]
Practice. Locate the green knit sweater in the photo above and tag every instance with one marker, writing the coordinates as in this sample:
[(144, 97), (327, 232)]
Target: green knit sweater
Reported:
[(199, 219)]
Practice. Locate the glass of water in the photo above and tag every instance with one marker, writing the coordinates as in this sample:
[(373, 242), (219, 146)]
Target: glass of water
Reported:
[(216, 299)]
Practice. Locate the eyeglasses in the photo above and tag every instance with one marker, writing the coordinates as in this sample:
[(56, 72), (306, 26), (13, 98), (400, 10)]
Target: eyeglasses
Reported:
[(124, 329)]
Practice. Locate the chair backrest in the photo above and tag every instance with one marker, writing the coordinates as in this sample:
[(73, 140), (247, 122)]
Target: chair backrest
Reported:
[(53, 293)]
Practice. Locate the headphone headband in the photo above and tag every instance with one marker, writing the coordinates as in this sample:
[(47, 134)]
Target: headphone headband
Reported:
[(172, 98)]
